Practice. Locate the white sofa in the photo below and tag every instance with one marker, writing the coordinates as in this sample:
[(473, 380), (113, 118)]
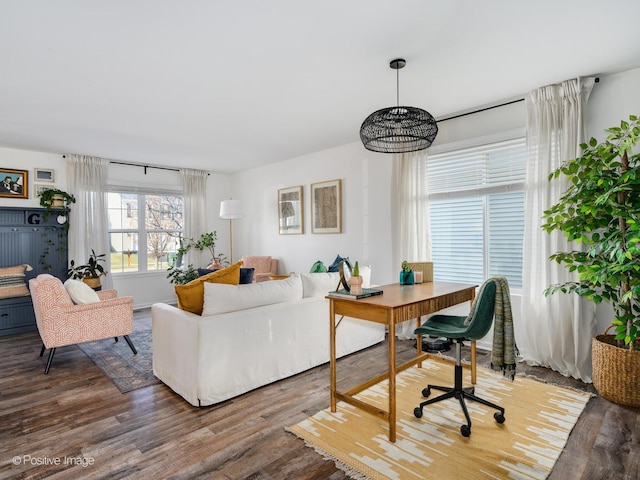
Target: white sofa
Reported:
[(251, 335)]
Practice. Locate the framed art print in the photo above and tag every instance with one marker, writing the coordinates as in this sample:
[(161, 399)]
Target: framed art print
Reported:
[(14, 183), (326, 207), (43, 175), (290, 211)]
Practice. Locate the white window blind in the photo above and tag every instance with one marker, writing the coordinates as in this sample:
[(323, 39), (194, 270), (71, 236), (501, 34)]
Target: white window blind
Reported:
[(476, 204)]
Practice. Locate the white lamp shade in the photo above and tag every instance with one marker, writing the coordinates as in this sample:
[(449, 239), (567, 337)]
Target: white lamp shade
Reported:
[(230, 209)]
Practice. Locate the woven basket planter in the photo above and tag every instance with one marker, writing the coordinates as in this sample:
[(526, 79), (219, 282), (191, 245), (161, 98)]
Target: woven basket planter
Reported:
[(615, 371)]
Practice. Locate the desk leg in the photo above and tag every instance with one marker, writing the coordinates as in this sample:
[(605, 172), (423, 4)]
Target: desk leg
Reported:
[(392, 380), (332, 354)]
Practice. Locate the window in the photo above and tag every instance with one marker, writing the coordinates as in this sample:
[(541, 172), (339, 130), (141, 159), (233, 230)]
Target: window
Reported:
[(145, 230), (476, 205)]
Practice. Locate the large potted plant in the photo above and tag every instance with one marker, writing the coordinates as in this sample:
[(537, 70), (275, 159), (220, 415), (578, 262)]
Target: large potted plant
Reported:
[(601, 210), (207, 241)]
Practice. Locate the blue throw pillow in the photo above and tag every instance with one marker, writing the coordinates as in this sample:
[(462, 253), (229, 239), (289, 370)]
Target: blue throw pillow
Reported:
[(206, 271), (335, 266), (246, 274)]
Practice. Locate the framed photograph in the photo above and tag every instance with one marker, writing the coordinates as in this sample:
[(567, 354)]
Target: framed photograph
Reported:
[(326, 207), (43, 175), (14, 183), (290, 211), (41, 188)]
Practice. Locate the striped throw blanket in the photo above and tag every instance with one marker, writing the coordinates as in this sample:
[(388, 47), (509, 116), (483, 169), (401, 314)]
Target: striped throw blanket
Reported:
[(504, 350)]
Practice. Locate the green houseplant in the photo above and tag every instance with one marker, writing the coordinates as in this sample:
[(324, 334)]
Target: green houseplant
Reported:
[(56, 198), (355, 280), (601, 210), (179, 275), (406, 274), (207, 241), (89, 272)]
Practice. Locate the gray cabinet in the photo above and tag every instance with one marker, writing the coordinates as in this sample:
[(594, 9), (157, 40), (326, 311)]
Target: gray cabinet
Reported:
[(29, 235)]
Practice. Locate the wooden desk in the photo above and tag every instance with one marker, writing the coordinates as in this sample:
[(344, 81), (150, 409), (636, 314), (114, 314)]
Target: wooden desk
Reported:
[(397, 304)]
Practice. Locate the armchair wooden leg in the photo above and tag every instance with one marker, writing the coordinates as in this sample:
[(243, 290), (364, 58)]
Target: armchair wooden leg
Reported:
[(473, 362), (130, 343), (51, 352), (116, 339), (42, 349)]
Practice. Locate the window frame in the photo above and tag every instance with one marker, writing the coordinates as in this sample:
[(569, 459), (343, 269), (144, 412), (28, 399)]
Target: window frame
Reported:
[(142, 231)]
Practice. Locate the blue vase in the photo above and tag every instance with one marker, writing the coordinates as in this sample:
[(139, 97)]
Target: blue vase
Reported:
[(406, 278)]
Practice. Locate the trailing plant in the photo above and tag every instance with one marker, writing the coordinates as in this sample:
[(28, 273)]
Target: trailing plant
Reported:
[(406, 268), (92, 268), (601, 211), (180, 275), (46, 197)]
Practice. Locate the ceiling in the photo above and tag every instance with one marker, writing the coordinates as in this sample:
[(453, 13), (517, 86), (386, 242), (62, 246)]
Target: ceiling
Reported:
[(229, 86)]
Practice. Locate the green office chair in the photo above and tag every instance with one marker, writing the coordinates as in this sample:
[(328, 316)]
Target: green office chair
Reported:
[(454, 328)]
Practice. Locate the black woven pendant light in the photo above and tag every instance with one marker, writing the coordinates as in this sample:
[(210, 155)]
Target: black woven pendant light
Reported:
[(398, 129)]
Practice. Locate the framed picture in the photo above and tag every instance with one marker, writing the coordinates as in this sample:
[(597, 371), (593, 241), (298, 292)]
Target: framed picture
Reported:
[(290, 211), (14, 183), (41, 188), (326, 207), (43, 175)]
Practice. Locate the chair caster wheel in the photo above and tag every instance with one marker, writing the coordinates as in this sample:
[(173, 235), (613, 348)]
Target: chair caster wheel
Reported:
[(426, 392), (465, 430), (499, 417), (417, 412)]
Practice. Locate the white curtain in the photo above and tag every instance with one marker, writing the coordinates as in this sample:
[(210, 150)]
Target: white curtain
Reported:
[(411, 238), (194, 191), (88, 220), (556, 331)]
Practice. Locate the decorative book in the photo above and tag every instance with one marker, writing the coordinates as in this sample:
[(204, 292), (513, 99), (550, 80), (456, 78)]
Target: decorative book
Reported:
[(366, 292)]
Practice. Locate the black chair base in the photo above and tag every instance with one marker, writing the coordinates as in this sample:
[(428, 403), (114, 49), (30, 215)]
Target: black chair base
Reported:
[(460, 393), (53, 351)]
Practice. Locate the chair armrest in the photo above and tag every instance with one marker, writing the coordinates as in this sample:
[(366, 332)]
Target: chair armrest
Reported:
[(101, 305), (107, 294)]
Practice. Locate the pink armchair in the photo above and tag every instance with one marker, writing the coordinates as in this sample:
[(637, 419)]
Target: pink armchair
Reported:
[(264, 267), (61, 322)]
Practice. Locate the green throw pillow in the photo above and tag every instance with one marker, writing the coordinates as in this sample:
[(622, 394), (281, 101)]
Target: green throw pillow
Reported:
[(318, 267)]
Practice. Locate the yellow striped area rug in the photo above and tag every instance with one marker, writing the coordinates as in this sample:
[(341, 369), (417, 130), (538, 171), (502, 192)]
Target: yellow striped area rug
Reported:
[(539, 418)]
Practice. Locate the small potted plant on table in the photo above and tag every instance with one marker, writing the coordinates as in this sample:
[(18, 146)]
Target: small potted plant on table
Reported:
[(406, 275), (355, 280)]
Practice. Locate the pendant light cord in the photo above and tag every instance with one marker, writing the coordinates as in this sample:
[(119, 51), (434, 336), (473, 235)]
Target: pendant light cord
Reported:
[(397, 87)]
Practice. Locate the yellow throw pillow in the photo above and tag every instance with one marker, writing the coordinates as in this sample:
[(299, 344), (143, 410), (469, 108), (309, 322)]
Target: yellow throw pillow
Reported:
[(191, 295)]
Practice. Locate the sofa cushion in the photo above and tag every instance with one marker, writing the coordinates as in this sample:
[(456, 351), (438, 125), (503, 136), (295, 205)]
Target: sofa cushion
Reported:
[(246, 274), (191, 295), (80, 292), (12, 281), (230, 298), (319, 284)]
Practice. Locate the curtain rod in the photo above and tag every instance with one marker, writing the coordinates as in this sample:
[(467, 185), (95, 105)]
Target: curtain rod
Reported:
[(597, 80), (480, 110), (143, 166)]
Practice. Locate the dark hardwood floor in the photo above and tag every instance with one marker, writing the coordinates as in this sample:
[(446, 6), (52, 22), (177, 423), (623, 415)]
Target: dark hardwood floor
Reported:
[(76, 412)]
